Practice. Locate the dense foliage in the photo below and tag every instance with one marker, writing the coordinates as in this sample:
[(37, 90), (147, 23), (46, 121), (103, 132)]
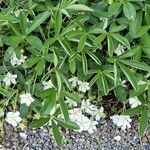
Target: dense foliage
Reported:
[(104, 43)]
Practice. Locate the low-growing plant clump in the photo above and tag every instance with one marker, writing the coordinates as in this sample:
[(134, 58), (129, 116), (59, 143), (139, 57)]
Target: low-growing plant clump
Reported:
[(59, 58)]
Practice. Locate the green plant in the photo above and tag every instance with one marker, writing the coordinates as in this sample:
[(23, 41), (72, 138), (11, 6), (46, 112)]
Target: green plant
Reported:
[(66, 38)]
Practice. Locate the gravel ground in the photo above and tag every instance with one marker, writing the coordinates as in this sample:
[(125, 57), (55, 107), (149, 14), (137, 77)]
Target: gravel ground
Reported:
[(103, 139)]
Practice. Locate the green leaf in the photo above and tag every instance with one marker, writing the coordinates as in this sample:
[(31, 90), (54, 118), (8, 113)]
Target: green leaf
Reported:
[(37, 21), (82, 42), (121, 39), (94, 57), (135, 64), (49, 103), (24, 110), (116, 74), (147, 14), (73, 96), (113, 8), (141, 90), (143, 121), (84, 63), (15, 28), (57, 135), (99, 39), (94, 79), (104, 82), (143, 30), (58, 22), (118, 28), (130, 53), (133, 111), (129, 10), (79, 7), (13, 40), (65, 46), (120, 94), (64, 108), (148, 91), (39, 123), (23, 22), (72, 66), (68, 124), (110, 45), (8, 53), (40, 67), (35, 42), (59, 82), (130, 76), (31, 62)]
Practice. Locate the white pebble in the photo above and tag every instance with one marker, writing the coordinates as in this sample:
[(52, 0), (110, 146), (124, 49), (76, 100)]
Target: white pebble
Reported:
[(117, 138)]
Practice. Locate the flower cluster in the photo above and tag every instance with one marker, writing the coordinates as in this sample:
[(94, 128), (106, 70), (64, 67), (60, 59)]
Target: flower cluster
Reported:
[(134, 102), (83, 86), (16, 61), (122, 121), (13, 118), (87, 116)]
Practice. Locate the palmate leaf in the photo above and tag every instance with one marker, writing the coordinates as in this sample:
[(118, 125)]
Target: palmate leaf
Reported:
[(130, 76)]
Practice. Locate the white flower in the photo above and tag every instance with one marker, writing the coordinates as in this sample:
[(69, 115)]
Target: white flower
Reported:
[(92, 126), (74, 81), (15, 61), (134, 102), (23, 135), (119, 50), (1, 147), (122, 121), (70, 102), (83, 86), (13, 118), (123, 83), (99, 113), (147, 75), (10, 79), (47, 84), (26, 98), (87, 107), (141, 82), (17, 12), (75, 114), (83, 123), (105, 21), (117, 138)]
